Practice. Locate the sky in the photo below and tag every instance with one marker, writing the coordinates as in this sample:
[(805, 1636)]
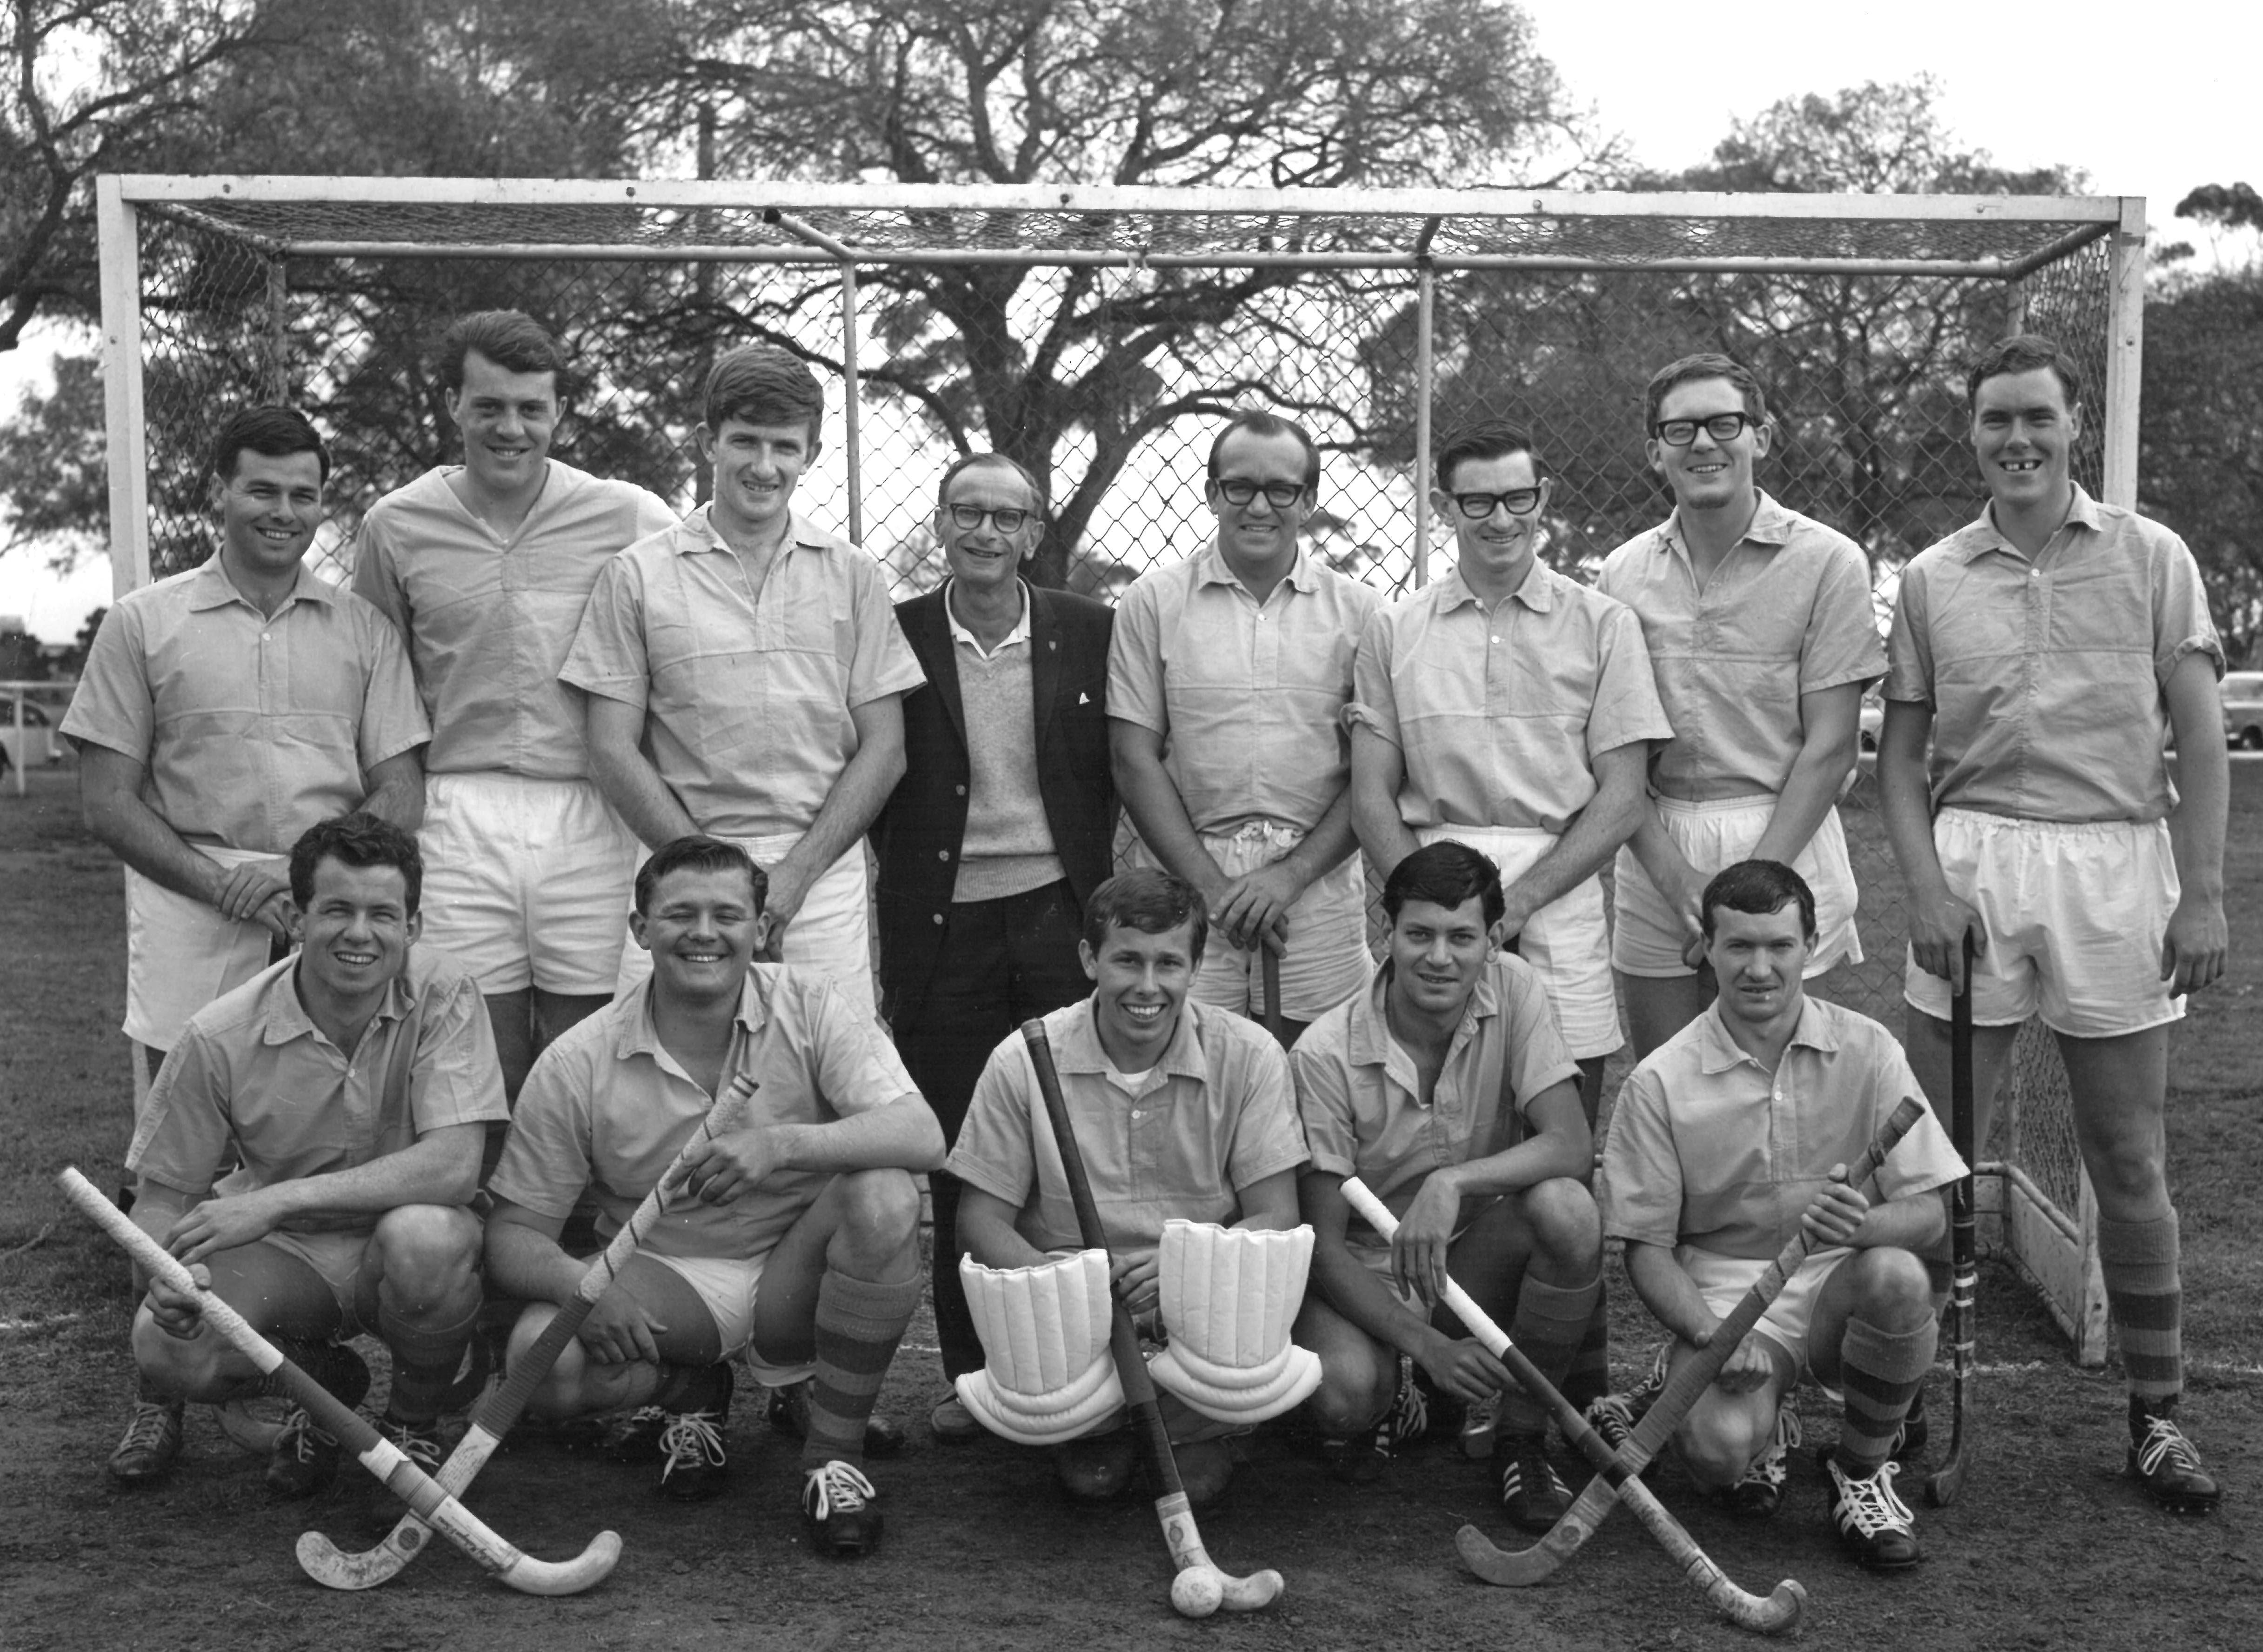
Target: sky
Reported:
[(2022, 82)]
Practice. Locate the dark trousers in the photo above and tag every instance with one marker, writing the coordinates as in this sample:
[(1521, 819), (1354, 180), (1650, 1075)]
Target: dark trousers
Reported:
[(1001, 962)]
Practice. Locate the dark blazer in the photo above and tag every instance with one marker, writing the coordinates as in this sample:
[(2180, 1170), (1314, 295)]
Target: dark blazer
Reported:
[(918, 834)]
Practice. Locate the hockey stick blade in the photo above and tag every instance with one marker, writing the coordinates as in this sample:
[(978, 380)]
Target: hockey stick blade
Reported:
[(1942, 1486)]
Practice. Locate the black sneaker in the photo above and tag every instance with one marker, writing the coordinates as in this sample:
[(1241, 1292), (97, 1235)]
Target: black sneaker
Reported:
[(2164, 1461), (1614, 1416), (1874, 1525), (151, 1446), (840, 1510), (1759, 1494), (625, 1436), (1910, 1439), (692, 1464), (1358, 1460), (1531, 1494), (419, 1442), (787, 1410), (305, 1458)]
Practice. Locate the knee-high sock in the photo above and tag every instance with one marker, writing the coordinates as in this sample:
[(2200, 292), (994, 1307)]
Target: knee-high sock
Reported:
[(1550, 1324), (859, 1323), (2143, 1294), (1588, 1377), (1879, 1374), (426, 1362)]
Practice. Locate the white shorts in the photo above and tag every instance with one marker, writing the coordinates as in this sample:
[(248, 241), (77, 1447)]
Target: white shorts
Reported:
[(1724, 1280), (1646, 938), (526, 881), (1326, 959), (2073, 916), (728, 1286), (831, 932), (337, 1256), (181, 954), (1566, 942)]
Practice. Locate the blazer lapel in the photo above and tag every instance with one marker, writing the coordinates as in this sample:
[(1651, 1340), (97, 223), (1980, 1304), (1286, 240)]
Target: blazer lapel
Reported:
[(943, 664), (1045, 661)]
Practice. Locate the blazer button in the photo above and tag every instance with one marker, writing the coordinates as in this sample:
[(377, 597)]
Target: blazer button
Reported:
[(961, 790), (942, 854), (938, 917)]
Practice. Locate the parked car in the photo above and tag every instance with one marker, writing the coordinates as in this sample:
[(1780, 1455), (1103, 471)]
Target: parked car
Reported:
[(2243, 709)]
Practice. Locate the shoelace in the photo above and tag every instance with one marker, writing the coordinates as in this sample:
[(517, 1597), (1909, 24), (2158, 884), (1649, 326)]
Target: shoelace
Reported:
[(299, 1434), (691, 1438), (1410, 1412), (2164, 1440), (837, 1485), (412, 1443), (1869, 1504), (1770, 1467), (147, 1428)]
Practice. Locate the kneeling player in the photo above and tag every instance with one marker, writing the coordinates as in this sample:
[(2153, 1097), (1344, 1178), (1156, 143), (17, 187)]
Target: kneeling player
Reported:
[(1725, 1142), (1446, 1089), (1188, 1135), (798, 1241)]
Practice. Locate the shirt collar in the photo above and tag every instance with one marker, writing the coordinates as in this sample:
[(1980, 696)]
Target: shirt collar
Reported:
[(639, 1035), (1078, 1050), (1982, 536), (696, 534), (959, 633), (1212, 568), (212, 588), (1771, 527), (1368, 1040), (283, 1015), (1718, 1052)]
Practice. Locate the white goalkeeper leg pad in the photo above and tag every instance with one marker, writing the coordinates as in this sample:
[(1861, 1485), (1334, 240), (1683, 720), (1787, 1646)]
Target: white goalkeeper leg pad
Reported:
[(1047, 1375), (1228, 1298)]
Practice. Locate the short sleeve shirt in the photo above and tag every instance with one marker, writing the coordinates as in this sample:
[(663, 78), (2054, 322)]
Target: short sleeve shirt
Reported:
[(2046, 677), (1360, 1097), (747, 703), (1247, 695), (1499, 715), (254, 1076), (607, 1108), (1786, 612), (1707, 1148), (250, 727), (1215, 1116), (488, 619)]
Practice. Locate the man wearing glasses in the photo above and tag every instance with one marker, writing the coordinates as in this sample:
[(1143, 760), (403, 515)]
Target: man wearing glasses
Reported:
[(999, 832), (1760, 626), (1226, 685)]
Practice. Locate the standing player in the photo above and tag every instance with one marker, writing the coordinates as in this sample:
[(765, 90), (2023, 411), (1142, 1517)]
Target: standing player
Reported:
[(1728, 1139), (352, 1086), (1226, 685), (798, 1240), (999, 832), (745, 675), (225, 710), (2046, 652), (1760, 630), (485, 567), (1447, 1090)]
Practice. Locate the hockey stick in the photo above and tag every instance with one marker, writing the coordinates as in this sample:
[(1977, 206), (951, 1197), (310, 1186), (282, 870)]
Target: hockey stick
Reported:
[(332, 1567), (1942, 1486), (1199, 1588), (453, 1521), (1269, 973), (1771, 1615), (1524, 1567)]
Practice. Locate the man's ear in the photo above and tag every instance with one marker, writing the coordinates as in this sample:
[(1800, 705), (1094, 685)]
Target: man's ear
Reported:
[(1090, 959), (762, 933), (636, 929)]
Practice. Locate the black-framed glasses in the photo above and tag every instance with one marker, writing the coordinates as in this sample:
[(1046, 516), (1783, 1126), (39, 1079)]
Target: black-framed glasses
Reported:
[(1522, 501), (1721, 426), (967, 518), (1239, 491)]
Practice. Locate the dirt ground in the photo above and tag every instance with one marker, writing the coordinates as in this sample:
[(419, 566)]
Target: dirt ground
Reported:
[(2050, 1546)]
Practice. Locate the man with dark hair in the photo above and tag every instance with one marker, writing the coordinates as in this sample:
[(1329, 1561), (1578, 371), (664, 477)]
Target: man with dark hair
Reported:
[(485, 567), (1735, 1134), (1227, 680), (1448, 1091), (351, 1086), (1184, 1116), (2042, 658), (743, 674), (1760, 630), (794, 1233), (1000, 829), (223, 711)]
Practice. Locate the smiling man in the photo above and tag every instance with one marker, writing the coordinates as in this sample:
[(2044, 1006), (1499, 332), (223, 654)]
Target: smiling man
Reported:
[(794, 1234), (999, 832), (2041, 660), (1447, 1090), (485, 567), (744, 675), (350, 1088), (1732, 1137)]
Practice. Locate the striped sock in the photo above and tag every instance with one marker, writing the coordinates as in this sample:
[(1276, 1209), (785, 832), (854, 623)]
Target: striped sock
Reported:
[(1551, 1326), (859, 1322), (1588, 1377), (2139, 1260), (1879, 1374), (425, 1362)]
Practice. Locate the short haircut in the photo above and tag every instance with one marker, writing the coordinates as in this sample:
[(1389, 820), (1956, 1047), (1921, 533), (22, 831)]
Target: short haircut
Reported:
[(1484, 439), (508, 338), (1689, 371), (1258, 422), (359, 839), (997, 461), (695, 853), (1757, 887), (761, 384), (2023, 353), (271, 432), (1445, 873), (1150, 900)]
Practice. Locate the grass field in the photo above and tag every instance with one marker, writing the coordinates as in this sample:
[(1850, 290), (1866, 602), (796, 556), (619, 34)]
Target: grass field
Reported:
[(2051, 1548)]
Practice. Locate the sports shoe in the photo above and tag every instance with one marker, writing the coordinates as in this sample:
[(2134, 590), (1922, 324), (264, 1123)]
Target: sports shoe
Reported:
[(1358, 1460), (1614, 1416), (840, 1510), (1761, 1492), (1875, 1526), (1205, 1468), (950, 1422), (1096, 1466), (2164, 1461), (787, 1411), (626, 1436), (1531, 1494), (419, 1442), (1910, 1437), (1480, 1423), (151, 1445), (693, 1463), (304, 1458)]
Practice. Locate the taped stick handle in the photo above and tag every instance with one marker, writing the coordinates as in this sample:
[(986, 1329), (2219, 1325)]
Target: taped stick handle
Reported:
[(1942, 1486)]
